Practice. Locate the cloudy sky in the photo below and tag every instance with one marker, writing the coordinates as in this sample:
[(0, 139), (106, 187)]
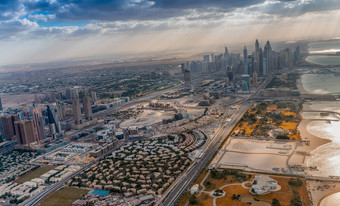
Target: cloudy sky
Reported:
[(44, 30)]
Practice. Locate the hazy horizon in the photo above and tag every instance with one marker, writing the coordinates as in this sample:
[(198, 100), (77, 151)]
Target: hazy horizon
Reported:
[(49, 30)]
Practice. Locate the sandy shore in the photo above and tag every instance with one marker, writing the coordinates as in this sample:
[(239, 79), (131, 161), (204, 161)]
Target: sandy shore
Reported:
[(300, 87), (314, 141), (320, 190)]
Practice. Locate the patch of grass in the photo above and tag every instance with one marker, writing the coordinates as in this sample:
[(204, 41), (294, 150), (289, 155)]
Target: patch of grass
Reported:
[(34, 174), (65, 196)]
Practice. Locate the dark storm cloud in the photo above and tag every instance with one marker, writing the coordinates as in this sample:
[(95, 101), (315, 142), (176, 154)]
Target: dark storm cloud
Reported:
[(9, 9), (193, 4), (143, 14)]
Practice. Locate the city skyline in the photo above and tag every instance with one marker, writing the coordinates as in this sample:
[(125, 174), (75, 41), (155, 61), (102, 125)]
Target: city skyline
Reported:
[(169, 102), (39, 31)]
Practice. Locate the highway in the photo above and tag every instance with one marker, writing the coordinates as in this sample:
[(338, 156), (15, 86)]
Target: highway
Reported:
[(189, 177)]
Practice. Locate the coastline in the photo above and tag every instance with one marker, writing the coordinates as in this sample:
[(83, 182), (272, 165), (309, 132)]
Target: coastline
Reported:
[(314, 141), (300, 87), (318, 190)]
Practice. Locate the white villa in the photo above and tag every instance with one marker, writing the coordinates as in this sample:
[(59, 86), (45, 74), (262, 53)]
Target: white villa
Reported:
[(263, 184)]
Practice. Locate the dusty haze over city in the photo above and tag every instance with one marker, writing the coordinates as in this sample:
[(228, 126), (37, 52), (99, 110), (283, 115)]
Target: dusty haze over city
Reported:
[(47, 30), (170, 102)]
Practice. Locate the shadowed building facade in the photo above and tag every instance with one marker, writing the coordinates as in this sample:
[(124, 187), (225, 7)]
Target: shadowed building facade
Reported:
[(8, 126), (25, 132)]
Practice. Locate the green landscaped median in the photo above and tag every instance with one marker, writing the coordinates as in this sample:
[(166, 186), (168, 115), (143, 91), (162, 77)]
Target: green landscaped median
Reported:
[(34, 174), (65, 196)]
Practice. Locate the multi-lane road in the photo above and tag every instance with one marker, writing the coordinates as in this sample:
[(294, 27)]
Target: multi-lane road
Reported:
[(189, 176)]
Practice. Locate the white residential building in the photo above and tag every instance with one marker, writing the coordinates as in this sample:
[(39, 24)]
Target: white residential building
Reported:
[(263, 184)]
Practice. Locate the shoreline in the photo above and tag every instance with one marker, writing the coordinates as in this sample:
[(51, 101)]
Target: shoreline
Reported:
[(318, 190), (314, 141), (300, 87)]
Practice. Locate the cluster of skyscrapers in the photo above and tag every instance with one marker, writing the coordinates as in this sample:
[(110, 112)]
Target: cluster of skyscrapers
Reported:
[(28, 128), (79, 122), (39, 123), (260, 63)]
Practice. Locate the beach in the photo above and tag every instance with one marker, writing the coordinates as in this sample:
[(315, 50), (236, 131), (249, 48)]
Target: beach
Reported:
[(321, 150)]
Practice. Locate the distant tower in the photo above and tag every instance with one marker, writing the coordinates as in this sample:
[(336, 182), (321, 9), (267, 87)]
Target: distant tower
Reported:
[(212, 57), (264, 66), (182, 67), (255, 84), (51, 122), (87, 106), (38, 124), (245, 60), (76, 109), (206, 58), (25, 132), (1, 105), (250, 65), (60, 110), (257, 57), (268, 54), (245, 52), (226, 52), (260, 62), (187, 79), (94, 96), (68, 93)]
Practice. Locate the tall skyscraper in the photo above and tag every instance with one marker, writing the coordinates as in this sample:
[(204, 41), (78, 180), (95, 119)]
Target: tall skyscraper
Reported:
[(212, 57), (250, 65), (245, 52), (206, 58), (68, 93), (182, 67), (245, 60), (257, 57), (94, 96), (38, 124), (264, 66), (260, 63), (226, 52), (296, 54), (87, 106), (1, 105), (187, 78), (268, 54), (60, 110), (52, 124), (25, 131), (8, 128), (76, 109), (255, 84)]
